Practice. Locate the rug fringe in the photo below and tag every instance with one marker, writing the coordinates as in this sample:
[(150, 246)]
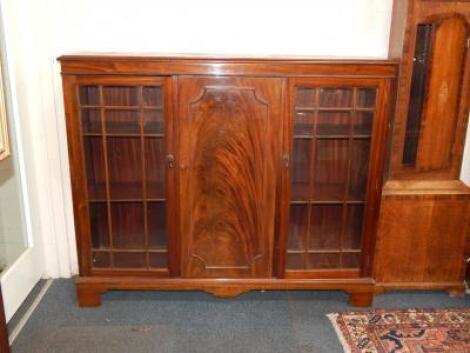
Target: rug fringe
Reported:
[(332, 317)]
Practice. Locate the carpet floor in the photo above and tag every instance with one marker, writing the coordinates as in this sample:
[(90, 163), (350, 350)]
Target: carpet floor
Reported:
[(193, 322)]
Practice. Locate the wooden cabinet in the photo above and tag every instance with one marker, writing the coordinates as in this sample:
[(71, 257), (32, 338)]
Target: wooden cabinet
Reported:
[(425, 214), (226, 175)]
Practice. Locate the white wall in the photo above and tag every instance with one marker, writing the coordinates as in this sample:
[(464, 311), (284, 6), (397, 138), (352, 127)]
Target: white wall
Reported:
[(340, 28), (333, 27)]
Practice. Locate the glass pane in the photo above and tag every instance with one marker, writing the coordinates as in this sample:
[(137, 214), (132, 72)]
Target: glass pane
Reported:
[(156, 164), (91, 120), (99, 225), (324, 261), (298, 218), (419, 78), (129, 260), (335, 97), (295, 261), (365, 97), (89, 95), (13, 236), (153, 122), (122, 121), (362, 123), (158, 260), (330, 170), (152, 96), (120, 96), (300, 169), (100, 259), (351, 260), (303, 123), (353, 231), (359, 169), (94, 165), (128, 225), (156, 216), (305, 97), (333, 123), (125, 167), (325, 229)]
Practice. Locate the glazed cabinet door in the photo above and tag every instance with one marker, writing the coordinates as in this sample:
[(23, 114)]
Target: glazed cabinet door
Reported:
[(332, 184), (229, 156), (119, 135)]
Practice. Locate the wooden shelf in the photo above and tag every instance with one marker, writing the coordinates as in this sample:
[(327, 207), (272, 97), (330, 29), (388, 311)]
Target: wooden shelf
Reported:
[(331, 137), (129, 200), (121, 107), (346, 109), (323, 251), (114, 134), (149, 250), (326, 202)]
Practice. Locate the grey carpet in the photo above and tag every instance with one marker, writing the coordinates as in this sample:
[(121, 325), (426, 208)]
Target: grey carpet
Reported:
[(193, 322)]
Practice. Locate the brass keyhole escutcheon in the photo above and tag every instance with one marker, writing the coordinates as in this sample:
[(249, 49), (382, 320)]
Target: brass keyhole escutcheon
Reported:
[(171, 160)]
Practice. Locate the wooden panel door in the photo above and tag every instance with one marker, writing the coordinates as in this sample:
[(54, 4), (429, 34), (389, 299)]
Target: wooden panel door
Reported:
[(119, 134), (334, 178), (229, 151)]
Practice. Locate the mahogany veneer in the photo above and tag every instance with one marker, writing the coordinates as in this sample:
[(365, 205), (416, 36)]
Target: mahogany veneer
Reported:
[(226, 175), (425, 213)]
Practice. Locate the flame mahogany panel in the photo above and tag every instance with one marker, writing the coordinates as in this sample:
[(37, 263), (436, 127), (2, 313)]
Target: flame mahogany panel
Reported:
[(230, 135)]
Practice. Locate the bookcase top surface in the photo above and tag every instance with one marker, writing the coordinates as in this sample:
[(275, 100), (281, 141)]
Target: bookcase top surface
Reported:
[(159, 64)]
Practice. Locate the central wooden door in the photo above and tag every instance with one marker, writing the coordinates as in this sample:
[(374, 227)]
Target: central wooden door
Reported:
[(229, 160)]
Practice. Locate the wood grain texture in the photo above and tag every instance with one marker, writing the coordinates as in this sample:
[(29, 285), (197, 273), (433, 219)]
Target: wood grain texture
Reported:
[(427, 245), (446, 107), (467, 259), (443, 94), (229, 133), (91, 288), (266, 67)]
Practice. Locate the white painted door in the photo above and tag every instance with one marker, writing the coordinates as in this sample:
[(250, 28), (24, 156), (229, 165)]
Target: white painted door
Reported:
[(20, 260)]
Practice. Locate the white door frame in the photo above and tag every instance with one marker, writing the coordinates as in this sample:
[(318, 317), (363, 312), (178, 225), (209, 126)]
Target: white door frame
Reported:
[(35, 111), (21, 276)]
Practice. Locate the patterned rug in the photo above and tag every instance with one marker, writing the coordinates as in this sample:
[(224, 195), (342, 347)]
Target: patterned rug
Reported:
[(404, 331)]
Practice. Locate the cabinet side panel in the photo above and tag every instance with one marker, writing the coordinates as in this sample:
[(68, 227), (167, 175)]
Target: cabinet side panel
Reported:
[(421, 239)]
